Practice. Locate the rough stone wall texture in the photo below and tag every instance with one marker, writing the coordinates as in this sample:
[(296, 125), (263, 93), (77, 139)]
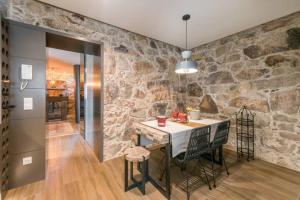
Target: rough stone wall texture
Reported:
[(138, 71), (259, 68)]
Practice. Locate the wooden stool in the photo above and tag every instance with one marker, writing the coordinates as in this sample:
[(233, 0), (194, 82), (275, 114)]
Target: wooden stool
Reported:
[(138, 155)]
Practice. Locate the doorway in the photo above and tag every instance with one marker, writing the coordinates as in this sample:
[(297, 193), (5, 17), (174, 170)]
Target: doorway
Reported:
[(61, 92), (73, 90)]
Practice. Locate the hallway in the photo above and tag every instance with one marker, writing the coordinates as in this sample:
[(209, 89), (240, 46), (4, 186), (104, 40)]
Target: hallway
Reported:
[(62, 128)]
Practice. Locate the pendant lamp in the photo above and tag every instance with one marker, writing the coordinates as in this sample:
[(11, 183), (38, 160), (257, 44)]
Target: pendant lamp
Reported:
[(186, 65)]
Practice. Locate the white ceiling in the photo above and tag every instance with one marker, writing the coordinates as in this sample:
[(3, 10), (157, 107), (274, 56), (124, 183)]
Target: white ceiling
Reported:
[(68, 57), (161, 19)]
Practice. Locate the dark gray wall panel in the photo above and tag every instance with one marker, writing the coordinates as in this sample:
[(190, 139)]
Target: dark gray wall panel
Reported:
[(17, 99), (20, 175), (28, 134), (38, 72), (27, 43)]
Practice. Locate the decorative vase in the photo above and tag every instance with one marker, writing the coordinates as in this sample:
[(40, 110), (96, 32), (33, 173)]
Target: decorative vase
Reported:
[(161, 120), (195, 114)]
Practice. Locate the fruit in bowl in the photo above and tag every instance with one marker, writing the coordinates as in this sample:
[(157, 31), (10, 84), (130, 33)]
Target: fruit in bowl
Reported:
[(175, 116), (182, 117)]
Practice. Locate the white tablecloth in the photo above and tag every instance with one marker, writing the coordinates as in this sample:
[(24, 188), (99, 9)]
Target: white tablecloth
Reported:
[(180, 134)]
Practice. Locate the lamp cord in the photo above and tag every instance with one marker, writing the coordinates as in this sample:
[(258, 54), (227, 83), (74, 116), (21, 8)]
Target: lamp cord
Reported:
[(186, 35)]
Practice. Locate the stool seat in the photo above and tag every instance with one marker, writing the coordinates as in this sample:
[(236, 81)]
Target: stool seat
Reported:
[(136, 154)]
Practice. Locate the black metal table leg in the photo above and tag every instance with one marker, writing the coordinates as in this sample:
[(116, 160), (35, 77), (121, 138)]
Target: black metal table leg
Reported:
[(147, 170), (139, 140), (138, 144), (166, 192), (131, 170), (144, 172), (126, 174)]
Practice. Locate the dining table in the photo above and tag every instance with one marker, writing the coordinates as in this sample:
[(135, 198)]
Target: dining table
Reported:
[(174, 137)]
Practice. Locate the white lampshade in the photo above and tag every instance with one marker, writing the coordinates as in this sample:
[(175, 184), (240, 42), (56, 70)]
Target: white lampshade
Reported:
[(186, 67)]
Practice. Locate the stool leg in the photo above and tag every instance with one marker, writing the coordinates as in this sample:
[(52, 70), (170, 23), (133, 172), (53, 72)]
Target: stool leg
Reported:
[(126, 175), (144, 176)]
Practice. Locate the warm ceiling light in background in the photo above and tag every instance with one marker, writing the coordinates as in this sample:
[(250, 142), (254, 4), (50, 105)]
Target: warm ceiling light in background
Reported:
[(187, 65)]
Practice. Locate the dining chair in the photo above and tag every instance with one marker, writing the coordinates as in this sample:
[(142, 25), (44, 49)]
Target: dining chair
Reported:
[(221, 138), (199, 144)]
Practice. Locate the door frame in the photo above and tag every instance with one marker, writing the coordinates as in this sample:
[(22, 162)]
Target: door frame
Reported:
[(83, 39)]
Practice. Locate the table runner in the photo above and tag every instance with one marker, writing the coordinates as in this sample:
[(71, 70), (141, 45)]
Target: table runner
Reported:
[(192, 124), (180, 133)]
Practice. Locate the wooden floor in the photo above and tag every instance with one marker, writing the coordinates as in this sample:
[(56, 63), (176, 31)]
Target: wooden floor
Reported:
[(63, 128), (73, 172)]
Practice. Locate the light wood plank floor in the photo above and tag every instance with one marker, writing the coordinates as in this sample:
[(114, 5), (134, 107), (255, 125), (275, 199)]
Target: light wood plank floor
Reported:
[(73, 172), (61, 128)]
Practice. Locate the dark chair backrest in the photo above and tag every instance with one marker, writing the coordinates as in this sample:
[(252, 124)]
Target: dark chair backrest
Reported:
[(198, 144), (221, 136)]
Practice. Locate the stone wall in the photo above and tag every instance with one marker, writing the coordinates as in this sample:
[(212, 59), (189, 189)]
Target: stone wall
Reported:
[(138, 71), (259, 68)]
